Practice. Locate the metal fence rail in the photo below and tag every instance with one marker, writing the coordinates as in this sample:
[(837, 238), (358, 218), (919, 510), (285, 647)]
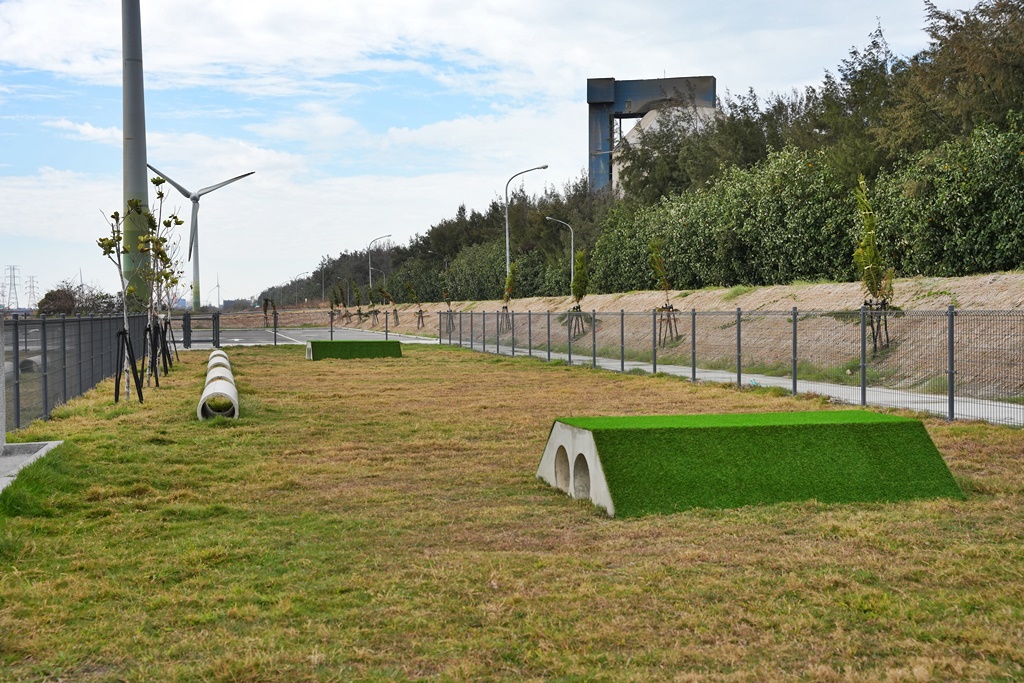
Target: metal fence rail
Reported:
[(957, 364), (51, 360)]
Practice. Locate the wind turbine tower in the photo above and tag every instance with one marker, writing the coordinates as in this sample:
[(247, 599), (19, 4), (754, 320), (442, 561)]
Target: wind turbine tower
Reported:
[(193, 238)]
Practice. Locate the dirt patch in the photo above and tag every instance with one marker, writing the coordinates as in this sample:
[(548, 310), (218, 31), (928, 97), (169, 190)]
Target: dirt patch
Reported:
[(992, 292)]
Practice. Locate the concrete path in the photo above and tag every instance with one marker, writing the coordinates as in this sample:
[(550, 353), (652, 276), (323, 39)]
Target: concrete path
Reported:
[(15, 456), (298, 335), (997, 412)]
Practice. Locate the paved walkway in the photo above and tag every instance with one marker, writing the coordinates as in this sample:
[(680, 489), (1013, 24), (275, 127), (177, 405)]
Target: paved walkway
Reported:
[(18, 455), (997, 412)]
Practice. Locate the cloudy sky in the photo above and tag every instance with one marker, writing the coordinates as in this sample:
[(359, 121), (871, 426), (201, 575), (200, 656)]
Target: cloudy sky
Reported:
[(359, 118)]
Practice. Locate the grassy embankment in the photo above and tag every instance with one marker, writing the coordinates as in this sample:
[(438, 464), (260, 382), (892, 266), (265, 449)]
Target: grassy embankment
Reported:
[(380, 520)]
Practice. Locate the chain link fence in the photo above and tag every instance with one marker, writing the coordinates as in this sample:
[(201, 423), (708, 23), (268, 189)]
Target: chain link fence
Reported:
[(48, 361), (957, 364)]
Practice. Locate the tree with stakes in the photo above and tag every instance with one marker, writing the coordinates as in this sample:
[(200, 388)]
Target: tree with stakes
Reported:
[(419, 307), (114, 248), (579, 286), (668, 325), (510, 284), (876, 277)]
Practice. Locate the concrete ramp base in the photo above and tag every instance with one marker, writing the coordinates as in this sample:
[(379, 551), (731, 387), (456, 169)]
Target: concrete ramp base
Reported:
[(662, 464)]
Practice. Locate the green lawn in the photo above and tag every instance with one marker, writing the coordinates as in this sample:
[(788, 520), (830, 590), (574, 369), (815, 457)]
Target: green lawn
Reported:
[(379, 519)]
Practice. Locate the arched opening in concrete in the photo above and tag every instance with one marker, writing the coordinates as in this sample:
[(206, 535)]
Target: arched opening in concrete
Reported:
[(562, 469), (581, 477)]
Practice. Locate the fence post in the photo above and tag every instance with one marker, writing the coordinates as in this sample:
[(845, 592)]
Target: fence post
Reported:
[(739, 348), (386, 314), (332, 324), (81, 352), (43, 342), (440, 332), (593, 339), (471, 329), (622, 340), (863, 357), (513, 332), (654, 341), (216, 329), (64, 357), (549, 335), (483, 331), (529, 333), (460, 328), (568, 333), (92, 351), (17, 375), (186, 330), (497, 332), (275, 328), (950, 316), (693, 344), (794, 350)]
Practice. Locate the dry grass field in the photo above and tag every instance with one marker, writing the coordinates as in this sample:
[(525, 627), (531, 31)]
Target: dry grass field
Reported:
[(380, 520)]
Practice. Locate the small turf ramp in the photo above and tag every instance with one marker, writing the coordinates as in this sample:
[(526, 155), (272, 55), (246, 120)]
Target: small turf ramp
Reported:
[(346, 348), (632, 466)]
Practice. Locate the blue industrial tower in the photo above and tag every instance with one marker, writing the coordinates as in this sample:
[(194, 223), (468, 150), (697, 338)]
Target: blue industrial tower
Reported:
[(610, 99)]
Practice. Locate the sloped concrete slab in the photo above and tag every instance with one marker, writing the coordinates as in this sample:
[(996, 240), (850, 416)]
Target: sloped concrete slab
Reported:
[(15, 456)]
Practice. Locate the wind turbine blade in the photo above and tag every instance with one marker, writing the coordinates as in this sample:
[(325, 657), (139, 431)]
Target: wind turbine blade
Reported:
[(211, 188), (195, 228), (175, 185)]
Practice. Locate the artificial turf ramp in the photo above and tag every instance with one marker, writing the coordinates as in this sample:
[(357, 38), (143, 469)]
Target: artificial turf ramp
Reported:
[(633, 466), (320, 349)]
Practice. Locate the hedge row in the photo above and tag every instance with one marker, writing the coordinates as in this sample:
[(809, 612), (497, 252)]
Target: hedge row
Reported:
[(956, 210)]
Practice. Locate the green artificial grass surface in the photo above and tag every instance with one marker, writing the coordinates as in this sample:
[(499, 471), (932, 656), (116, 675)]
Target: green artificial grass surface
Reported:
[(815, 417), (320, 349), (664, 464)]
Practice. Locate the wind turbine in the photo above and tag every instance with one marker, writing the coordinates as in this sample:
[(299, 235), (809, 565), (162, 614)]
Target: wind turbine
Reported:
[(193, 238), (218, 291)]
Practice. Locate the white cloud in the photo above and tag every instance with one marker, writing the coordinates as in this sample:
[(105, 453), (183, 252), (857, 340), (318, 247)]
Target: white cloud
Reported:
[(88, 132)]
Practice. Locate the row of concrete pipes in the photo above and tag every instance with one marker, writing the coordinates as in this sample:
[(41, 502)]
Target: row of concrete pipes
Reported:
[(220, 396)]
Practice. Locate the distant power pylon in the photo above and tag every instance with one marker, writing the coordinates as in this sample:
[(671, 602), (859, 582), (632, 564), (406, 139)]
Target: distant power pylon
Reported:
[(12, 287), (32, 298)]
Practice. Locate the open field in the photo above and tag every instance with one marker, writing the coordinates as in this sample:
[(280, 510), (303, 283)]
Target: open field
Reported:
[(380, 520)]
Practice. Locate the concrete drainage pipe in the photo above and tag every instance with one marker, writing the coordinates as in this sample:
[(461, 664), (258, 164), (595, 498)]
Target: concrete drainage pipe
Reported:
[(220, 397)]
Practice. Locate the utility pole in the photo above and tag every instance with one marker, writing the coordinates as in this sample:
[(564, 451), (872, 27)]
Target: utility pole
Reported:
[(136, 184)]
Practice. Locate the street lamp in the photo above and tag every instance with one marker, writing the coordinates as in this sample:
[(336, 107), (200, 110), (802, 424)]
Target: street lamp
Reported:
[(383, 275), (369, 263), (305, 272), (508, 260), (572, 249)]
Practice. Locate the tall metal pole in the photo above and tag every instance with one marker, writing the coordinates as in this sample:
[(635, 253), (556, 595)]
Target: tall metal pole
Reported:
[(136, 186), (3, 389), (369, 264), (508, 260), (572, 250)]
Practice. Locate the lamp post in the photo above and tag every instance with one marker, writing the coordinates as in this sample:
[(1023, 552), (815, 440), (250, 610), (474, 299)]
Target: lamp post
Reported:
[(508, 260), (369, 263), (572, 249), (305, 272)]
